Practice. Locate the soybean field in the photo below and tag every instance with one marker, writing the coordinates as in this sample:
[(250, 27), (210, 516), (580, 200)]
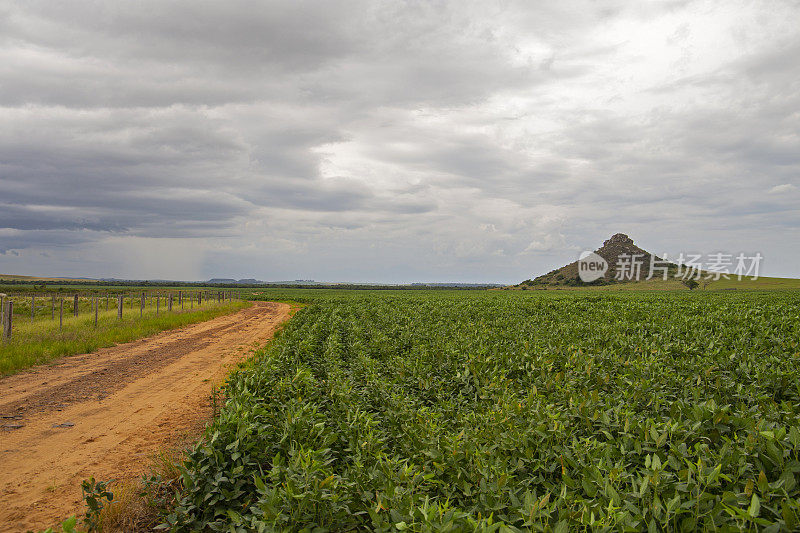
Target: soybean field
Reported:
[(500, 411)]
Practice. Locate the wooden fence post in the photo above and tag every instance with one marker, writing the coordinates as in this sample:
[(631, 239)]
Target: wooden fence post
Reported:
[(141, 305), (120, 301), (107, 297), (8, 318), (180, 299), (158, 299), (75, 305), (169, 305), (61, 314)]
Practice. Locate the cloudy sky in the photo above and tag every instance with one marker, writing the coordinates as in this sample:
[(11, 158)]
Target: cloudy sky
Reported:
[(393, 141)]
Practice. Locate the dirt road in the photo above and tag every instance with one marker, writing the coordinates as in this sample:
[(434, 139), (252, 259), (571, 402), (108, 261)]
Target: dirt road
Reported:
[(104, 414)]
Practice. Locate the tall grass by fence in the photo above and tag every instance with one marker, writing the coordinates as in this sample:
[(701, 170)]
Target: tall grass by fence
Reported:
[(37, 307)]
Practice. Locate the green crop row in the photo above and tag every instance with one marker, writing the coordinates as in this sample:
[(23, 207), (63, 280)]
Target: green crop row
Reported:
[(510, 411)]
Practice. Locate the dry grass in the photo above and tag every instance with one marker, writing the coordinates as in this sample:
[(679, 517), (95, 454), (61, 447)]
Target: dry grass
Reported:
[(138, 503), (128, 509)]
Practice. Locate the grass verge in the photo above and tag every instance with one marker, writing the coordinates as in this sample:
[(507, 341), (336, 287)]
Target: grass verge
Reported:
[(41, 341)]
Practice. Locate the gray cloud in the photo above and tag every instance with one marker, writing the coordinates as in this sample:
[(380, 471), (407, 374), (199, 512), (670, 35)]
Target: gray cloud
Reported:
[(392, 141)]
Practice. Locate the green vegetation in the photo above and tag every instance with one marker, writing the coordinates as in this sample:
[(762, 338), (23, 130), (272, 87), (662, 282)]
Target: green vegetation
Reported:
[(659, 284), (40, 341), (97, 497), (497, 411), (759, 284)]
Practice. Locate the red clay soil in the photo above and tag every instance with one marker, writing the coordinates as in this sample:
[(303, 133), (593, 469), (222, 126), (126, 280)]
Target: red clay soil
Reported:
[(106, 413)]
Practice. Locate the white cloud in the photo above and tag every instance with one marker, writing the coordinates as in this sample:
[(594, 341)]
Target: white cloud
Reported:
[(783, 188)]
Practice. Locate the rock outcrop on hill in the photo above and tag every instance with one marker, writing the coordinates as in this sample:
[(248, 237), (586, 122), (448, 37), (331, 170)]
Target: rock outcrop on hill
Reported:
[(620, 252)]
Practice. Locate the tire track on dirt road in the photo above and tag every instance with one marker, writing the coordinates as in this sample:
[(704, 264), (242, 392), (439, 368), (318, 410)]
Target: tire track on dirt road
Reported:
[(104, 414)]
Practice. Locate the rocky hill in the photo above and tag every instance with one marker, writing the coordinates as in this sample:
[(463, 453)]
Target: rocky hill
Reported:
[(617, 251)]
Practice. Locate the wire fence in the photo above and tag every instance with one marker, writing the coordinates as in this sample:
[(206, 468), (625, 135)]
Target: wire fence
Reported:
[(54, 307)]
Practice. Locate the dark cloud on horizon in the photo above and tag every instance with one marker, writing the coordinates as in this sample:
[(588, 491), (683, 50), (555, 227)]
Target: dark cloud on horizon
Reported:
[(394, 140)]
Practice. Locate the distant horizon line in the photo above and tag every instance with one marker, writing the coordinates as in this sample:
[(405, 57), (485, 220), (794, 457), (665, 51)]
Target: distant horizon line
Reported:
[(243, 281)]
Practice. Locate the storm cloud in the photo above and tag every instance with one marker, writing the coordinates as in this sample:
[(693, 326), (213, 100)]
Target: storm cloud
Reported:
[(393, 141)]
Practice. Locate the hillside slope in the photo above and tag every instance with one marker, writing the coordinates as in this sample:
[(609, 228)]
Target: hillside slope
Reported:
[(614, 250)]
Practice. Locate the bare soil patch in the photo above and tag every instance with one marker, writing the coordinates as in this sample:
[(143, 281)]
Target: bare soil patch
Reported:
[(106, 413)]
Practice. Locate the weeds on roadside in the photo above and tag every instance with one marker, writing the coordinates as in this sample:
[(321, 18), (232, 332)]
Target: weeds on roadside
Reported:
[(67, 526), (141, 504), (134, 506), (97, 497)]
